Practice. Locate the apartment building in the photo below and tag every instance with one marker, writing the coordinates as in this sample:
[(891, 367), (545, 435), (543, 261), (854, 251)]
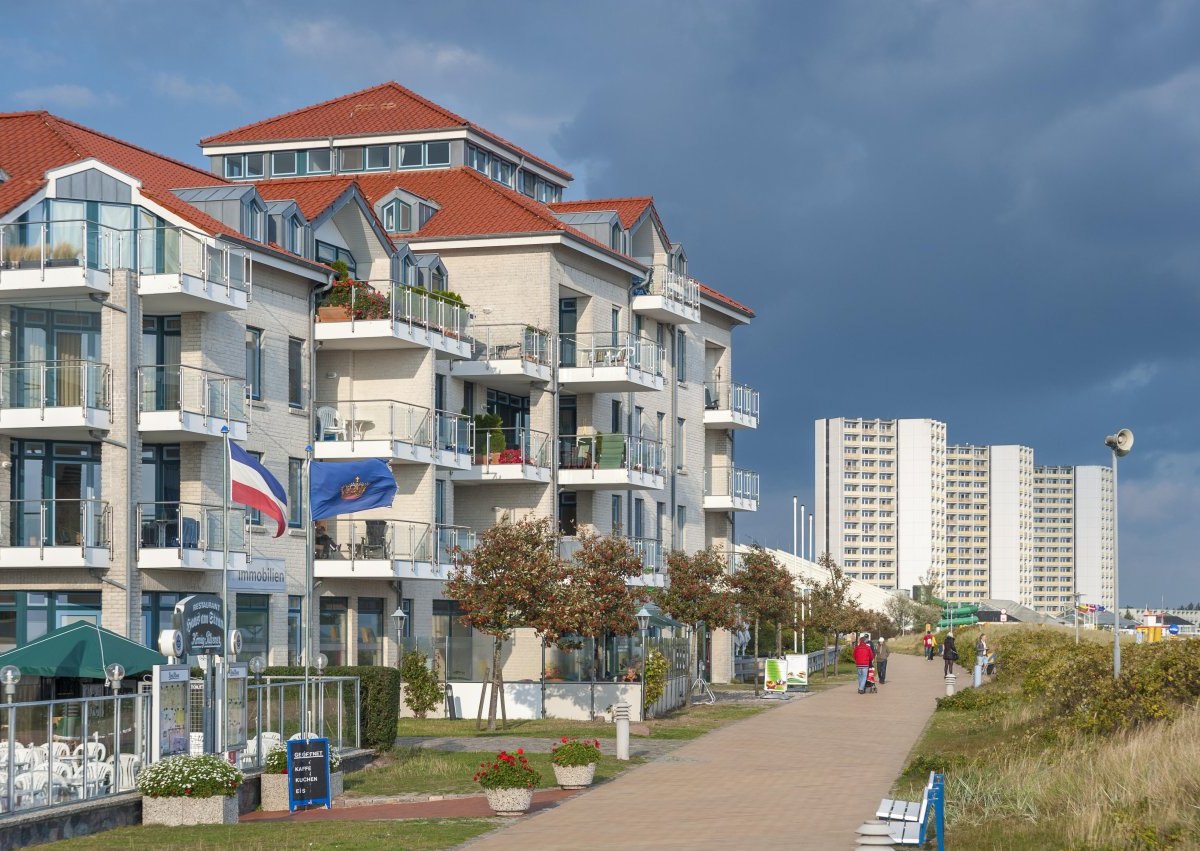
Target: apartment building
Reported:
[(143, 313), (605, 368), (1012, 530)]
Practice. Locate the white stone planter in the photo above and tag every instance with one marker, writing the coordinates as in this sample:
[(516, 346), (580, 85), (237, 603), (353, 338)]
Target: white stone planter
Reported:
[(510, 802), (337, 785), (174, 812), (273, 792), (575, 776)]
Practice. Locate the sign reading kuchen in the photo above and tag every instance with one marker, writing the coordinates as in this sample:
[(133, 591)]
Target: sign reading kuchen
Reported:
[(308, 773), (199, 618)]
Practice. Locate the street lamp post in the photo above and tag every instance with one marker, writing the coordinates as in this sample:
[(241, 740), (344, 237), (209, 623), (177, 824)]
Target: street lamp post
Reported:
[(10, 675), (643, 621), (804, 592), (115, 672), (398, 620), (322, 663), (1075, 598), (1120, 444)]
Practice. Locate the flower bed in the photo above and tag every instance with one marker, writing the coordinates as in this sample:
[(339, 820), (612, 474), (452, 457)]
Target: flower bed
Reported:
[(575, 762), (189, 790)]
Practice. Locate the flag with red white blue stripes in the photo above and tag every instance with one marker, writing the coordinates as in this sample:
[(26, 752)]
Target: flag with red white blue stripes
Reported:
[(252, 485)]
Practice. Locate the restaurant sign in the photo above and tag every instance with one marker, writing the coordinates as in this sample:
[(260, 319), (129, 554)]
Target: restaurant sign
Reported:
[(200, 620)]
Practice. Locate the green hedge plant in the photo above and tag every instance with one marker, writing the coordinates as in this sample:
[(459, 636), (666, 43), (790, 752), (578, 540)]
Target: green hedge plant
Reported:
[(422, 691)]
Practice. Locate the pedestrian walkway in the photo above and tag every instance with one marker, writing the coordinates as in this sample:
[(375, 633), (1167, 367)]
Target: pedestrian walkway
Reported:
[(803, 776), (648, 748)]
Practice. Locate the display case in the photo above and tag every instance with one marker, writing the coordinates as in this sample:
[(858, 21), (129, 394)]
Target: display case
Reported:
[(233, 706), (170, 712)]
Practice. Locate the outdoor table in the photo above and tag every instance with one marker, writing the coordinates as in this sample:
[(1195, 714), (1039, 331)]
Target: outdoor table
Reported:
[(358, 427)]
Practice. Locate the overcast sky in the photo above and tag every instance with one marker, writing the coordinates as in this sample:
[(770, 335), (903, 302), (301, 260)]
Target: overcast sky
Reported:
[(980, 212)]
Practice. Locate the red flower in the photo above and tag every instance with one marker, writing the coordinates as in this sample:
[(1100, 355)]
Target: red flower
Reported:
[(564, 739), (520, 750), (597, 743)]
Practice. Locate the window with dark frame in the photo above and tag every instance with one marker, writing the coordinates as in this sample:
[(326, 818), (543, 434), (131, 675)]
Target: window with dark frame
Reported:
[(254, 362), (295, 372)]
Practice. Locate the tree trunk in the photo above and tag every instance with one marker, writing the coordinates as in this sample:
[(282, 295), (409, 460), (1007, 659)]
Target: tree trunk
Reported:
[(693, 639), (778, 638), (497, 684), (825, 650), (756, 657), (836, 654)]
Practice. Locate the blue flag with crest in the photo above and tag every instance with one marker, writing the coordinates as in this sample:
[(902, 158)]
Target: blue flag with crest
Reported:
[(343, 487)]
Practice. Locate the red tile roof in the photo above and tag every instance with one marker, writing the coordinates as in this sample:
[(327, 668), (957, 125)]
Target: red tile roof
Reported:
[(31, 143), (313, 194), (708, 291), (628, 210), (386, 108)]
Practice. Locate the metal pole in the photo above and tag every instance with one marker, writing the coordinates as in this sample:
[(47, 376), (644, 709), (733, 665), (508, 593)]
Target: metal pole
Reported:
[(1116, 558), (811, 541), (803, 616), (795, 549), (306, 609), (802, 515), (225, 624)]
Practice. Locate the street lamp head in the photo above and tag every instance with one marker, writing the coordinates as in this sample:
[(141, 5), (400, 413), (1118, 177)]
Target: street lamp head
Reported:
[(322, 662), (10, 675), (1120, 443), (257, 666), (115, 672), (643, 619)]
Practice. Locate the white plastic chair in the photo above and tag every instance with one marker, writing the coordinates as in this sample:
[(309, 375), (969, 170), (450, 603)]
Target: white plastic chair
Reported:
[(60, 750), (96, 751), (38, 755), (331, 422), (270, 741), (127, 774), (97, 779)]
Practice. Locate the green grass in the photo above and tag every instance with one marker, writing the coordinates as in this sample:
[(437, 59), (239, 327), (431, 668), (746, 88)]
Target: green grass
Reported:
[(434, 772), (416, 835)]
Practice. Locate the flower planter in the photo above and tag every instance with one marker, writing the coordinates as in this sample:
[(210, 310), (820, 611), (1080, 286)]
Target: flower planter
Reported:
[(174, 812), (333, 314), (575, 776), (273, 793), (510, 802), (337, 786)]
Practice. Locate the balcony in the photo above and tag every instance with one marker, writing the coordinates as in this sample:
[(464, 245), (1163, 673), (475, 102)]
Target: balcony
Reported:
[(728, 405), (668, 297), (190, 536), (182, 271), (180, 403), (609, 363), (55, 400), (452, 439), (610, 462), (376, 549), (396, 432), (507, 357), (449, 540), (55, 533), (508, 455), (61, 258), (386, 315), (652, 552), (730, 489)]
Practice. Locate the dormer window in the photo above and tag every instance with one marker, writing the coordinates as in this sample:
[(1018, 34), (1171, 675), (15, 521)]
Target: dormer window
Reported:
[(252, 227), (318, 161), (427, 212), (283, 162), (615, 239), (296, 235), (397, 217), (243, 166)]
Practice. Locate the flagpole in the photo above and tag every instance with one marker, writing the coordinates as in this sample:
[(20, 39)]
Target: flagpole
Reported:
[(225, 626), (306, 627)]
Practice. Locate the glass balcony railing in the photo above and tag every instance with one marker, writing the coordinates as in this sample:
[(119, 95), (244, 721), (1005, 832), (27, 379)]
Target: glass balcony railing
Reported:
[(729, 396), (190, 526), (341, 539), (178, 251), (189, 389), (675, 286), (54, 523), (502, 446), (378, 419), (605, 349), (512, 342), (453, 432), (352, 301), (450, 539), (55, 384), (731, 482), (610, 452), (651, 551), (64, 244)]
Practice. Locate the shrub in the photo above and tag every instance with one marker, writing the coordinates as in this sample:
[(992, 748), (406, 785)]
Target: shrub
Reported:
[(970, 700), (922, 764), (380, 709), (422, 691), (360, 298), (276, 761), (507, 771), (656, 678), (189, 777), (572, 753)]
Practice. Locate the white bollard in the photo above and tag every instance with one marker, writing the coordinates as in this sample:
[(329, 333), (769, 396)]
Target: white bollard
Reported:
[(951, 679), (621, 716), (978, 675)]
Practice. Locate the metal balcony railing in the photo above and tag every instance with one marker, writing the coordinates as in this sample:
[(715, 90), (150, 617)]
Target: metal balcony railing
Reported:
[(731, 481), (512, 342), (55, 384), (675, 286), (179, 251), (729, 396), (610, 452), (411, 306), (63, 244), (189, 389), (607, 349), (652, 552), (190, 526), (505, 446), (41, 523), (451, 538), (453, 432), (373, 419), (352, 540)]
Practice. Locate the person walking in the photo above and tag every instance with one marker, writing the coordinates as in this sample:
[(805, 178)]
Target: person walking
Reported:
[(949, 653), (881, 660), (863, 657), (981, 650), (928, 641)]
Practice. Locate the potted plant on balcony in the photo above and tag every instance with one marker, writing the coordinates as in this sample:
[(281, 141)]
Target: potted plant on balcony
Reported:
[(184, 790), (22, 257), (508, 781), (274, 780), (450, 298), (575, 762), (351, 299), (489, 438), (63, 254), (511, 456)]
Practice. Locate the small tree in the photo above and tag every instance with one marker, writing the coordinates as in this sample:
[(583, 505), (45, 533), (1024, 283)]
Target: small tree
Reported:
[(764, 590), (512, 578), (421, 688), (831, 604), (597, 599), (698, 593)]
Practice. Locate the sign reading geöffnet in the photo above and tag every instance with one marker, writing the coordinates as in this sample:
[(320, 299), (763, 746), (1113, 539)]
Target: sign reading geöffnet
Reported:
[(308, 773), (199, 618)]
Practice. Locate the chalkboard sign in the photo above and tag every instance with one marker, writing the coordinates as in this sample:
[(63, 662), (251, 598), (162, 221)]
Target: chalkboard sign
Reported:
[(308, 773)]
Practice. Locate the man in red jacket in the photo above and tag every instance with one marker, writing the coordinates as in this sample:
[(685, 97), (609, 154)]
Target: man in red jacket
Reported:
[(863, 657)]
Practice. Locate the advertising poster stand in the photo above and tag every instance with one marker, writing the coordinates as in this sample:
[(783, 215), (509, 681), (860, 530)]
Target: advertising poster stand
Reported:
[(308, 773), (171, 712)]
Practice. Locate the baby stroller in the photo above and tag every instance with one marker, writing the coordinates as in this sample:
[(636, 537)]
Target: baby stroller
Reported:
[(872, 687)]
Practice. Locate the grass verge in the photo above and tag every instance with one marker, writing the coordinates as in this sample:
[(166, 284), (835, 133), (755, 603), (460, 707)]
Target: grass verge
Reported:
[(434, 772), (416, 835)]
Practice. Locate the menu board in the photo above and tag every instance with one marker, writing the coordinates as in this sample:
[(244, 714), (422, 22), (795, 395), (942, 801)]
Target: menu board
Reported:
[(308, 773), (170, 685), (776, 676), (797, 670), (235, 707)]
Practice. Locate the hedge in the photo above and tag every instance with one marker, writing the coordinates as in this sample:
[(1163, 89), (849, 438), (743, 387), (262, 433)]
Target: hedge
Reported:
[(380, 709)]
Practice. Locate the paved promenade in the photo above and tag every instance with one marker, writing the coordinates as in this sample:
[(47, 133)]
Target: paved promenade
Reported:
[(803, 775)]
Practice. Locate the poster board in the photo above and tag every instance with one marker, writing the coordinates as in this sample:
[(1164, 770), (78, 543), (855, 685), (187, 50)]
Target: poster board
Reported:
[(797, 670), (776, 676), (170, 722), (234, 707), (308, 773)]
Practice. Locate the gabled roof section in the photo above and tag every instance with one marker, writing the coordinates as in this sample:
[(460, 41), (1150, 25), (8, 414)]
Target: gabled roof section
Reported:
[(386, 108), (630, 210), (721, 298), (315, 195)]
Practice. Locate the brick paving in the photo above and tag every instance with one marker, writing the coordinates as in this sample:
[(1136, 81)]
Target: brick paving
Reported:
[(475, 806), (802, 776), (649, 748)]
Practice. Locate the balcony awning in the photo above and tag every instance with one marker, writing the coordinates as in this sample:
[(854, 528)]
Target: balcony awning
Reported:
[(81, 650)]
